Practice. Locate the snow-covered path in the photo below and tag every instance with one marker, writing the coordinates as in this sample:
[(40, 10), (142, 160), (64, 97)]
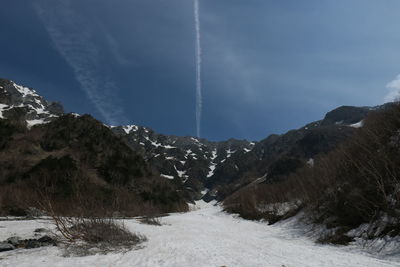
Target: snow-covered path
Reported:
[(205, 237)]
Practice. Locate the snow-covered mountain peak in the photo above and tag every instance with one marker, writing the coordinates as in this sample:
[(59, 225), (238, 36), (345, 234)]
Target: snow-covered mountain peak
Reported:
[(23, 103), (25, 91)]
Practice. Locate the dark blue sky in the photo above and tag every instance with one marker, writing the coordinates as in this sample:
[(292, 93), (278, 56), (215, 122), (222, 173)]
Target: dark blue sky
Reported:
[(268, 65)]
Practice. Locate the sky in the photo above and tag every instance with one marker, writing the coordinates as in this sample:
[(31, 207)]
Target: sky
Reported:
[(268, 66)]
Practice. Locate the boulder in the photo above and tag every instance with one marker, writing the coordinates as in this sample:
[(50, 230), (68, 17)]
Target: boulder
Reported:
[(47, 241), (6, 247), (15, 240), (32, 243)]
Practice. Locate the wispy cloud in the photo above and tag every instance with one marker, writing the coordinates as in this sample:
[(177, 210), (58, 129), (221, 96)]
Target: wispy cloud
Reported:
[(394, 87), (73, 38), (116, 50)]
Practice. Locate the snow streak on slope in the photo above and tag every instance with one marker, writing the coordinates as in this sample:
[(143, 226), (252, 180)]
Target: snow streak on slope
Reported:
[(205, 237), (199, 100)]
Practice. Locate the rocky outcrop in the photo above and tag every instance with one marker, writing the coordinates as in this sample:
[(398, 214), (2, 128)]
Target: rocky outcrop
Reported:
[(17, 242)]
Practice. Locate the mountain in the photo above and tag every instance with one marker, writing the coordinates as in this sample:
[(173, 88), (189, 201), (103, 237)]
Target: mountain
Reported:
[(216, 169), (76, 161), (25, 105), (195, 167), (193, 162), (278, 155)]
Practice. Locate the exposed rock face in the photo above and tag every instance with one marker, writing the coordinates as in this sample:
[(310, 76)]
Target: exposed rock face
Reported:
[(16, 242), (6, 247), (24, 104)]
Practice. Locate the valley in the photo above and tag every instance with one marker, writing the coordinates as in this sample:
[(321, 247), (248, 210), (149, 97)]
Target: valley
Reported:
[(203, 237)]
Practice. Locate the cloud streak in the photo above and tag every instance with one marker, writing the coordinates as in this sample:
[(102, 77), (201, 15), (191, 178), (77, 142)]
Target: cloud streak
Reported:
[(394, 87), (73, 38)]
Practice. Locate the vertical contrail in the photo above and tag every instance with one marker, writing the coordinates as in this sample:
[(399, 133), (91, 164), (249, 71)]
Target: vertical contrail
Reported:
[(199, 101)]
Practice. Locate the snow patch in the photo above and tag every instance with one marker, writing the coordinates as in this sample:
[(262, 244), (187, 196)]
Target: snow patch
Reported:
[(205, 191), (229, 153), (25, 91), (357, 125), (196, 141), (246, 150), (181, 174), (213, 166), (279, 209), (31, 123), (130, 128), (214, 155), (167, 176), (310, 162), (152, 142), (2, 108)]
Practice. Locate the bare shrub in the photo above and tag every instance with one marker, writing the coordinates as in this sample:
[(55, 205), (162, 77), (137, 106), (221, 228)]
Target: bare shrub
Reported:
[(88, 230), (337, 237), (358, 182), (95, 231), (84, 236), (151, 221)]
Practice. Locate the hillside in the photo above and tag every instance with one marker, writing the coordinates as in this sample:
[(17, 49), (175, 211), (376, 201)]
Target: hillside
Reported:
[(353, 190), (124, 155), (70, 158)]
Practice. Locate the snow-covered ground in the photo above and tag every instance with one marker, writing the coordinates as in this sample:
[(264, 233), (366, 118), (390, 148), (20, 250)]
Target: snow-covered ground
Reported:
[(204, 237)]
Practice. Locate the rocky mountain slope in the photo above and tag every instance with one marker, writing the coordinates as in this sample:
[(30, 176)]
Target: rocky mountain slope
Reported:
[(216, 169), (191, 161), (75, 161), (24, 104), (199, 167)]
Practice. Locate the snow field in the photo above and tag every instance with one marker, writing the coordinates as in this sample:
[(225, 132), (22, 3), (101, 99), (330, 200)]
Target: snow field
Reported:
[(205, 237)]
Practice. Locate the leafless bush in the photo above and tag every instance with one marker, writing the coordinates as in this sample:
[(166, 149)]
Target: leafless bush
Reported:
[(359, 182), (84, 232), (151, 221), (94, 231)]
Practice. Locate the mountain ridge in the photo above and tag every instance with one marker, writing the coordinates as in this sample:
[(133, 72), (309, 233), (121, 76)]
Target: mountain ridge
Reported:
[(208, 169)]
